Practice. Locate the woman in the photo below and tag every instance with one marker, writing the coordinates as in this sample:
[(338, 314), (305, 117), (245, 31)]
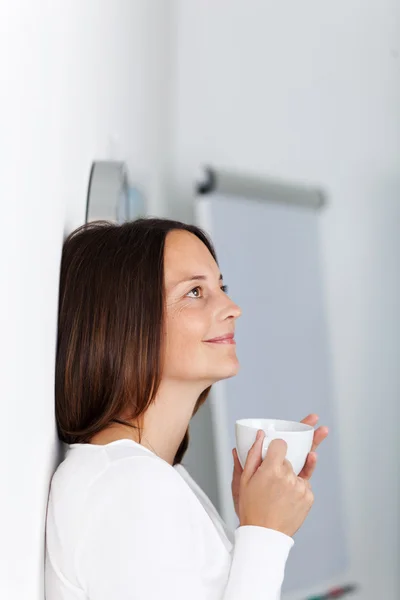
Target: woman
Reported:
[(145, 328)]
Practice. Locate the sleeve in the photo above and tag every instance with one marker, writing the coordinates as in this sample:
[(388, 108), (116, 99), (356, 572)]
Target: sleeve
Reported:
[(258, 563), (139, 542)]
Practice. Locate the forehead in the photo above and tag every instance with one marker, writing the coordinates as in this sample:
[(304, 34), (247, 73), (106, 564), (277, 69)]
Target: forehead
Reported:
[(185, 255)]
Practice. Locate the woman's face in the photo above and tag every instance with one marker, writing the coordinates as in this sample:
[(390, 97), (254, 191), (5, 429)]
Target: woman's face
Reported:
[(198, 310)]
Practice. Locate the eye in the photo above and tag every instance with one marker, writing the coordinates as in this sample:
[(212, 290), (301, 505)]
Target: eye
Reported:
[(196, 291), (198, 288)]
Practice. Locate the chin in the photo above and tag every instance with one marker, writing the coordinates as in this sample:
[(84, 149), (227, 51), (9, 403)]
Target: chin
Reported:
[(226, 371)]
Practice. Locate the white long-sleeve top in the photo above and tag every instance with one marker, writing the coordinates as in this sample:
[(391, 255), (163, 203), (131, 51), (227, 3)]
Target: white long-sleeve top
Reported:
[(123, 524)]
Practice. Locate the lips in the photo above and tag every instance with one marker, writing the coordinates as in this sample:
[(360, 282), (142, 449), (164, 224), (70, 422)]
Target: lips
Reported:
[(223, 339)]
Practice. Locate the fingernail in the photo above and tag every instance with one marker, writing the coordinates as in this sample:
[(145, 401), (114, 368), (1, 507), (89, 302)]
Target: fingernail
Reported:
[(259, 434)]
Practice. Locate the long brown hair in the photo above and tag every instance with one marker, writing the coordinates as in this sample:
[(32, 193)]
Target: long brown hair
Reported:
[(109, 356)]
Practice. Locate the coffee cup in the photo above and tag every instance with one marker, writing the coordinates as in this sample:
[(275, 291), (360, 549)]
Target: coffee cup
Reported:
[(298, 436)]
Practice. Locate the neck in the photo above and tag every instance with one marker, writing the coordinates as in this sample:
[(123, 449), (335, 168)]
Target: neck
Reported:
[(167, 419)]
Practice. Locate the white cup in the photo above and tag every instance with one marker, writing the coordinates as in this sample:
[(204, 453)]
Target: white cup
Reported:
[(298, 436)]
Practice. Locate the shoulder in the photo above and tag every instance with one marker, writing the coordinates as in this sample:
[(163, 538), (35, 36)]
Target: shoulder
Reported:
[(141, 475), (138, 511), (142, 487), (91, 483), (87, 470)]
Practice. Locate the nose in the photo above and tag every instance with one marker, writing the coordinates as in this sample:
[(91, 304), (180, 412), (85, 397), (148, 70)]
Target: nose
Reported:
[(230, 310)]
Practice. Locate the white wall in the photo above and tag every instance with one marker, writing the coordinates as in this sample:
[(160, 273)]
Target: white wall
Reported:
[(80, 81), (311, 91)]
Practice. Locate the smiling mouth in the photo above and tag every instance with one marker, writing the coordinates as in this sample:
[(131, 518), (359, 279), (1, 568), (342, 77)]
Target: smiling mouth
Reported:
[(224, 339), (229, 342)]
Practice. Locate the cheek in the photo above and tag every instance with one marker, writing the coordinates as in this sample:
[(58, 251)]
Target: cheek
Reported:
[(186, 327)]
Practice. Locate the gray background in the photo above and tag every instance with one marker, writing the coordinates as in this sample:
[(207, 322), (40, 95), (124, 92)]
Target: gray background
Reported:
[(269, 256)]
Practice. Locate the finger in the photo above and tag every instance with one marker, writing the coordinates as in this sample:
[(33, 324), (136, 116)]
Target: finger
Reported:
[(319, 435), (236, 462), (276, 453), (303, 484), (309, 467), (254, 458), (311, 419), (287, 466)]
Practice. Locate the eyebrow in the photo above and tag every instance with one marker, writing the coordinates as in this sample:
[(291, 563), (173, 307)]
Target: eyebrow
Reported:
[(197, 278)]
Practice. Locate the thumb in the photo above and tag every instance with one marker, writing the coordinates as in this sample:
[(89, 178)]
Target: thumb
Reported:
[(254, 458)]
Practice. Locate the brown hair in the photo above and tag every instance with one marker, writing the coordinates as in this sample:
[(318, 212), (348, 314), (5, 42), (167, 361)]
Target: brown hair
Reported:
[(109, 354)]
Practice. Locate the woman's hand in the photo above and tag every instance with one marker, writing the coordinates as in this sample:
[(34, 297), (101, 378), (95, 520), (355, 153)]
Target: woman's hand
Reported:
[(319, 435)]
